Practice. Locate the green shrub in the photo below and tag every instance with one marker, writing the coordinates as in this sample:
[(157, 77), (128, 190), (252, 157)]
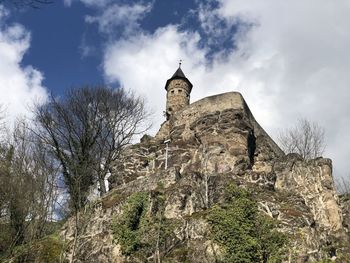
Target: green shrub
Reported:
[(245, 235), (142, 229), (45, 250), (126, 228), (5, 238)]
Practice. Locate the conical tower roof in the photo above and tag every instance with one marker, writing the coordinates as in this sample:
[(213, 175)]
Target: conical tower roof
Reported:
[(179, 75)]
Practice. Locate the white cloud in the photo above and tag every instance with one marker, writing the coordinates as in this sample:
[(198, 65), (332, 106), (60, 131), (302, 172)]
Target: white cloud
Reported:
[(91, 3), (291, 60), (67, 2), (126, 16), (142, 63), (303, 47), (20, 86)]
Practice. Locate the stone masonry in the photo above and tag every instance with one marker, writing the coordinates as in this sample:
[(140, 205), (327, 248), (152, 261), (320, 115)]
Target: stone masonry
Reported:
[(178, 89), (214, 142)]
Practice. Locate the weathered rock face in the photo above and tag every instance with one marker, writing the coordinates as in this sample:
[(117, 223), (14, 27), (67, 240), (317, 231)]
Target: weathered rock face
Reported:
[(215, 142), (345, 204), (314, 182)]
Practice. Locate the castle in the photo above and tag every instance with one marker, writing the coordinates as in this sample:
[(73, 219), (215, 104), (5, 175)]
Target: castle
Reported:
[(178, 89), (200, 149), (179, 111)]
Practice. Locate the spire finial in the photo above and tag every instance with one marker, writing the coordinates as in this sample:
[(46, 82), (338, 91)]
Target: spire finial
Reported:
[(180, 62)]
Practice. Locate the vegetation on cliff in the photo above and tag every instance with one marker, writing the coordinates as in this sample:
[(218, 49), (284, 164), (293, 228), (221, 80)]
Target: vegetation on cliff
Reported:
[(141, 230), (49, 166), (245, 234), (242, 232), (228, 194)]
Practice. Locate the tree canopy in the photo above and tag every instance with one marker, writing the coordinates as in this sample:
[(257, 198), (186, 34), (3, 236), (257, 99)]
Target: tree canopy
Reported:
[(86, 129)]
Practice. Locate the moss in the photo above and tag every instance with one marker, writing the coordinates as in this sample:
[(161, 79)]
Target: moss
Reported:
[(126, 227), (326, 261), (181, 254), (245, 235), (197, 215), (142, 229), (113, 198), (45, 250), (39, 250), (160, 186), (49, 249), (5, 238)]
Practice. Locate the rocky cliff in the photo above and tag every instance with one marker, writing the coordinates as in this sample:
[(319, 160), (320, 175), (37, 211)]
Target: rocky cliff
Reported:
[(178, 214)]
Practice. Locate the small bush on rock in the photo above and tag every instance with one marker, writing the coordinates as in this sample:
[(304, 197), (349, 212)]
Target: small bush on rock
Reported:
[(245, 235), (141, 230), (126, 227), (47, 249)]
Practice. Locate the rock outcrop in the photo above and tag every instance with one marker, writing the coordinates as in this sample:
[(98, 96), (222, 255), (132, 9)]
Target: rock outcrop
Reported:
[(214, 142)]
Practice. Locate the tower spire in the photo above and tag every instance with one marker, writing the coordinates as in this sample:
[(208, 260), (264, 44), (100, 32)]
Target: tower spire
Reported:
[(178, 89)]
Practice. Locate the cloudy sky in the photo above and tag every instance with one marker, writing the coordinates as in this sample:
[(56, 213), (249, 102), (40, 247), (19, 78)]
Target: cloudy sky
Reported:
[(288, 59)]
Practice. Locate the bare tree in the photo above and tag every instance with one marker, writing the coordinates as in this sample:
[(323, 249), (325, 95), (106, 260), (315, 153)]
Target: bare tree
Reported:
[(305, 138), (86, 130), (27, 184), (342, 184), (2, 123)]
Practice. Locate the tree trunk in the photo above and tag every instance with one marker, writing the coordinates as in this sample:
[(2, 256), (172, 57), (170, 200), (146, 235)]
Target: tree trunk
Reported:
[(102, 187)]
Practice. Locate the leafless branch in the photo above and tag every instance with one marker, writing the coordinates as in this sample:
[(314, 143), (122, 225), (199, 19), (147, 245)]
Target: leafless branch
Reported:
[(27, 185), (86, 130), (305, 138)]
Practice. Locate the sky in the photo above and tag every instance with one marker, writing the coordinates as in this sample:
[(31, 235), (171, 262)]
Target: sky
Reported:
[(289, 59)]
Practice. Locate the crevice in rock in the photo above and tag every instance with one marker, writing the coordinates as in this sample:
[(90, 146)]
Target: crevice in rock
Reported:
[(332, 252), (251, 146)]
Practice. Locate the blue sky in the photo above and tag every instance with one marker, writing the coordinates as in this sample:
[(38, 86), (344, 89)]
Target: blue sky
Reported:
[(57, 33), (288, 59), (60, 33)]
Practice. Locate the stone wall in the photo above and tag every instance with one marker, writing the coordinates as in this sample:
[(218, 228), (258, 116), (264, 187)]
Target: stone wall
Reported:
[(215, 142), (214, 104), (178, 96)]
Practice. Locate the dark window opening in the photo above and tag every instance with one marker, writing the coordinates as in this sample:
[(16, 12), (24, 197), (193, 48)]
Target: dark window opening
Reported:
[(251, 146)]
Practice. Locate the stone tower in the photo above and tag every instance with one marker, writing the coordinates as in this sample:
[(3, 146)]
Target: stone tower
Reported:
[(178, 89)]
